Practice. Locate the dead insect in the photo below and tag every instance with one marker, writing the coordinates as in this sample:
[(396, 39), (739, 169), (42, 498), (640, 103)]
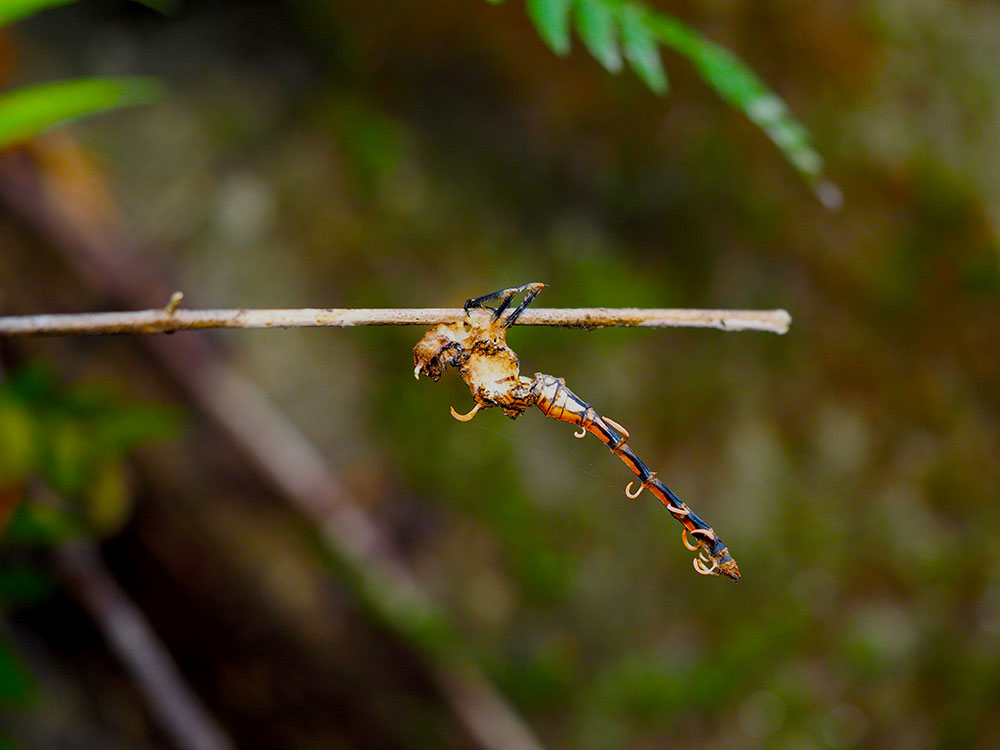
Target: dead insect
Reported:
[(477, 347)]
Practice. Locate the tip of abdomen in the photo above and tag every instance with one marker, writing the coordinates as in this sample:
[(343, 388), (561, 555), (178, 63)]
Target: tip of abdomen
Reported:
[(730, 570)]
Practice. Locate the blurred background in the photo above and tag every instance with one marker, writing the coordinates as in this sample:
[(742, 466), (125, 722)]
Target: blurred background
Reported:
[(330, 559)]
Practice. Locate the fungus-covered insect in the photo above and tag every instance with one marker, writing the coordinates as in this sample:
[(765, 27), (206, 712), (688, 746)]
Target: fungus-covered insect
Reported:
[(477, 347)]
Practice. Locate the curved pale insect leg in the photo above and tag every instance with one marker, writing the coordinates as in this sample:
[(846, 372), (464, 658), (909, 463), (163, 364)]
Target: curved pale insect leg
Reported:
[(467, 417)]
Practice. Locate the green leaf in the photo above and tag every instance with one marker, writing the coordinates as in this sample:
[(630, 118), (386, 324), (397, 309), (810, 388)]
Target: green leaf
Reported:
[(70, 456), (19, 438), (106, 499), (27, 111), (642, 29), (16, 684), (33, 383), (35, 523), (15, 10), (20, 586), (641, 50), (121, 427), (735, 82), (551, 18), (166, 7), (596, 25)]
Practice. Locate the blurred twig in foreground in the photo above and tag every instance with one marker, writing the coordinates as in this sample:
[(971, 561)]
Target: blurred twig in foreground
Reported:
[(171, 701)]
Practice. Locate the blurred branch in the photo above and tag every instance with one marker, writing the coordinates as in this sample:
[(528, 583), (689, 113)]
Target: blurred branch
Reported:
[(170, 319), (172, 703), (97, 251)]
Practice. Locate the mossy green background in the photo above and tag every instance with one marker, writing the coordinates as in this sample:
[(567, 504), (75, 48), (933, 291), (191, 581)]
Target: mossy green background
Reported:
[(419, 153)]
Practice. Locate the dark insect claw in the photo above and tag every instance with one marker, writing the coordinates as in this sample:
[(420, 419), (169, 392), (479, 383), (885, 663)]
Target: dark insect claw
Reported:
[(532, 291), (506, 296)]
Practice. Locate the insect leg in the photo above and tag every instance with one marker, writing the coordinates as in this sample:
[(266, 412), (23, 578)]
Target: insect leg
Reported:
[(532, 291), (506, 296)]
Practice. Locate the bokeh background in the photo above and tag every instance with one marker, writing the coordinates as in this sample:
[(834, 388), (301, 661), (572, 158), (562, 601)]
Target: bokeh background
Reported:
[(407, 154)]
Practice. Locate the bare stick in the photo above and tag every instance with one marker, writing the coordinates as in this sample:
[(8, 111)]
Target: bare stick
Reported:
[(173, 704), (169, 319)]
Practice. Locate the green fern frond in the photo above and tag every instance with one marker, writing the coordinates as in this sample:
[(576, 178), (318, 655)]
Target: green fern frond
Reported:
[(642, 30), (597, 26), (551, 18), (641, 49)]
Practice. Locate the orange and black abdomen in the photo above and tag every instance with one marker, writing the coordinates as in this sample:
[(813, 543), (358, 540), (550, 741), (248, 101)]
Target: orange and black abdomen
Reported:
[(559, 402)]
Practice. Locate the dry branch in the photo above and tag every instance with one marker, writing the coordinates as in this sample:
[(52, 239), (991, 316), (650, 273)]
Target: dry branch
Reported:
[(169, 319), (173, 704), (102, 259)]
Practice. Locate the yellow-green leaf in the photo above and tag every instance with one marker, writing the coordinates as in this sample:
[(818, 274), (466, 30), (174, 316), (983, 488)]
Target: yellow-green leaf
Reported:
[(18, 441), (106, 498), (29, 110), (551, 18), (735, 82), (15, 10), (17, 686), (641, 50), (35, 523), (595, 23)]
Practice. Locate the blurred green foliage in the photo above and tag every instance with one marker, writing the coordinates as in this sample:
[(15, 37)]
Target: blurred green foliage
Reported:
[(70, 441), (851, 465), (16, 685), (15, 10), (642, 29), (62, 477), (30, 110), (18, 689)]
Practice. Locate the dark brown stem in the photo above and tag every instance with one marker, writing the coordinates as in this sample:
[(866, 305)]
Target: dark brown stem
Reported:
[(172, 703)]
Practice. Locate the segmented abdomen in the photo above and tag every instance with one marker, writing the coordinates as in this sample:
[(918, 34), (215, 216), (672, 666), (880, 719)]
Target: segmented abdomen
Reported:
[(559, 402)]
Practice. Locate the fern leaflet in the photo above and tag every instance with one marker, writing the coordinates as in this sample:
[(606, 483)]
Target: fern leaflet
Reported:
[(611, 29)]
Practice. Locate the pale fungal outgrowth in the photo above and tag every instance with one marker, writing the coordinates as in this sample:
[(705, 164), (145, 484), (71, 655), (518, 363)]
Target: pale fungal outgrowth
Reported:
[(477, 348)]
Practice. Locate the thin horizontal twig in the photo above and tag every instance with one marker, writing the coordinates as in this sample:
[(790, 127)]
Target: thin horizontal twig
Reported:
[(170, 319), (102, 257)]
